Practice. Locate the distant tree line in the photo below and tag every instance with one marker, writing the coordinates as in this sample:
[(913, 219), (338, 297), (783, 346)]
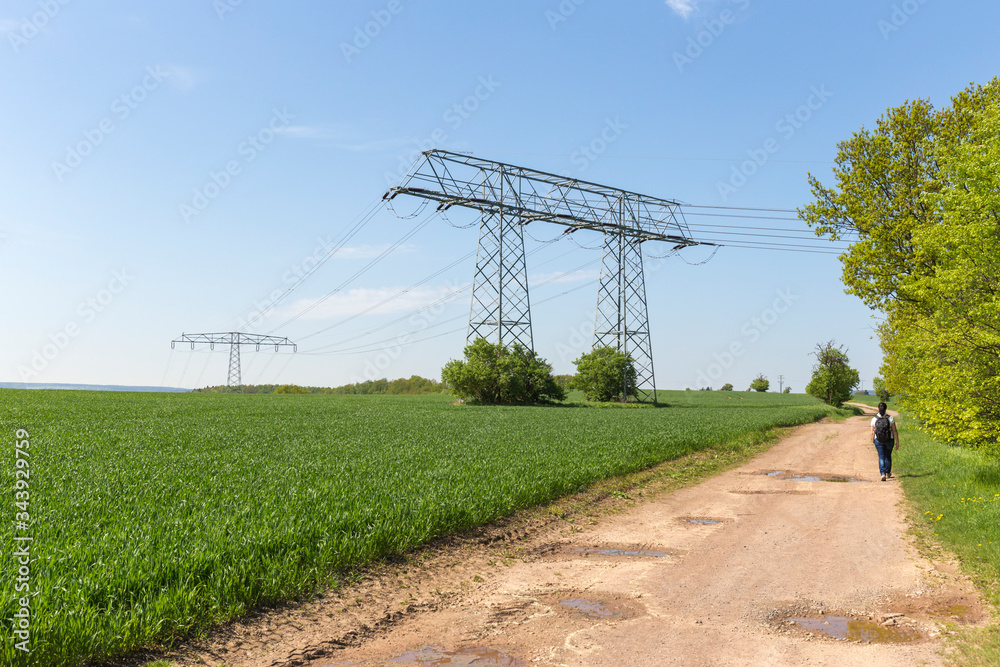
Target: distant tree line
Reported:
[(413, 385)]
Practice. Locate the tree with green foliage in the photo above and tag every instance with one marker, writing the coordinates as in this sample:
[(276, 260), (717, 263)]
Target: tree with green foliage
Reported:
[(946, 360), (604, 373), (883, 177), (291, 389), (919, 192), (727, 387), (788, 390), (414, 385), (833, 379), (494, 374), (565, 381), (760, 383), (878, 385)]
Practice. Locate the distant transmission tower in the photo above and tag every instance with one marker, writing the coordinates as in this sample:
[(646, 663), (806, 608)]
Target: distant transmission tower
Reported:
[(510, 197), (235, 340)]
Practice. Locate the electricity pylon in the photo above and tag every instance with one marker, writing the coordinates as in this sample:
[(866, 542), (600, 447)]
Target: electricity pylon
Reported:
[(622, 321), (500, 310), (508, 198), (235, 340)]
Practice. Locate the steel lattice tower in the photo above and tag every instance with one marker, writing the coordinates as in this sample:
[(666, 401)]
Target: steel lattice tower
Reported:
[(235, 340), (234, 380), (622, 320), (500, 311), (509, 197)]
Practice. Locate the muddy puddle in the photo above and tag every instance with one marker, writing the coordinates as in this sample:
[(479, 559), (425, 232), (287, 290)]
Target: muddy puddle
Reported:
[(701, 521), (467, 655), (620, 552), (593, 605), (856, 629), (592, 608), (810, 477), (609, 551), (767, 492)]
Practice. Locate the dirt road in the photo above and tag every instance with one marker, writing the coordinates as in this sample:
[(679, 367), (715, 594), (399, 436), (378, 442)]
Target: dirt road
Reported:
[(708, 575)]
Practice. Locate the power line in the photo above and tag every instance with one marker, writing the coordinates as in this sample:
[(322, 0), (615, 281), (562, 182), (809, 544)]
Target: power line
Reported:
[(771, 243), (392, 297), (741, 208), (318, 351), (737, 243), (429, 306), (765, 229), (385, 253), (756, 238), (433, 304), (356, 226), (782, 249), (358, 350), (368, 214), (733, 215), (775, 236)]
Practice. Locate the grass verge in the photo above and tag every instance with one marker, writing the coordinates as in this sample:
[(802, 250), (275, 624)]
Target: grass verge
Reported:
[(955, 496)]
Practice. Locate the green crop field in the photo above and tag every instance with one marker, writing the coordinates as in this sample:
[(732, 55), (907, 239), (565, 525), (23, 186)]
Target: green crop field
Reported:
[(154, 516)]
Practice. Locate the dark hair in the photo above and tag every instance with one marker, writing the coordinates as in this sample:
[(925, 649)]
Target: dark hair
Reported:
[(881, 408)]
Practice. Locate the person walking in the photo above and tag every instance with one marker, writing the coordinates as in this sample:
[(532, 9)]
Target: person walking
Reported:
[(885, 436)]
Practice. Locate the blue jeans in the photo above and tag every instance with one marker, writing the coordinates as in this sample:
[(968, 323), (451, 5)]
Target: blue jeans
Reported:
[(884, 456)]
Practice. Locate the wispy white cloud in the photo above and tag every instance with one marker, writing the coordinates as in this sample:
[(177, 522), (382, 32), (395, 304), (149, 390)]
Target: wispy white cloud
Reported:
[(183, 79), (683, 7), (353, 139), (356, 301)]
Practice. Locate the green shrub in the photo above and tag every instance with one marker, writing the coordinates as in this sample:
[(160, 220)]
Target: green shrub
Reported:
[(604, 373), (498, 375)]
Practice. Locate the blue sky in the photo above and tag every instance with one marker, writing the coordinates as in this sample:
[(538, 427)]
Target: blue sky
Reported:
[(167, 166)]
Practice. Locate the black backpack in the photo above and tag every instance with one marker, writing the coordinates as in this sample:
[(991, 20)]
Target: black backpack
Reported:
[(883, 429)]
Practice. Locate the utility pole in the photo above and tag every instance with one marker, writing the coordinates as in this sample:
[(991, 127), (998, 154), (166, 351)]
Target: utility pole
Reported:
[(781, 383)]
